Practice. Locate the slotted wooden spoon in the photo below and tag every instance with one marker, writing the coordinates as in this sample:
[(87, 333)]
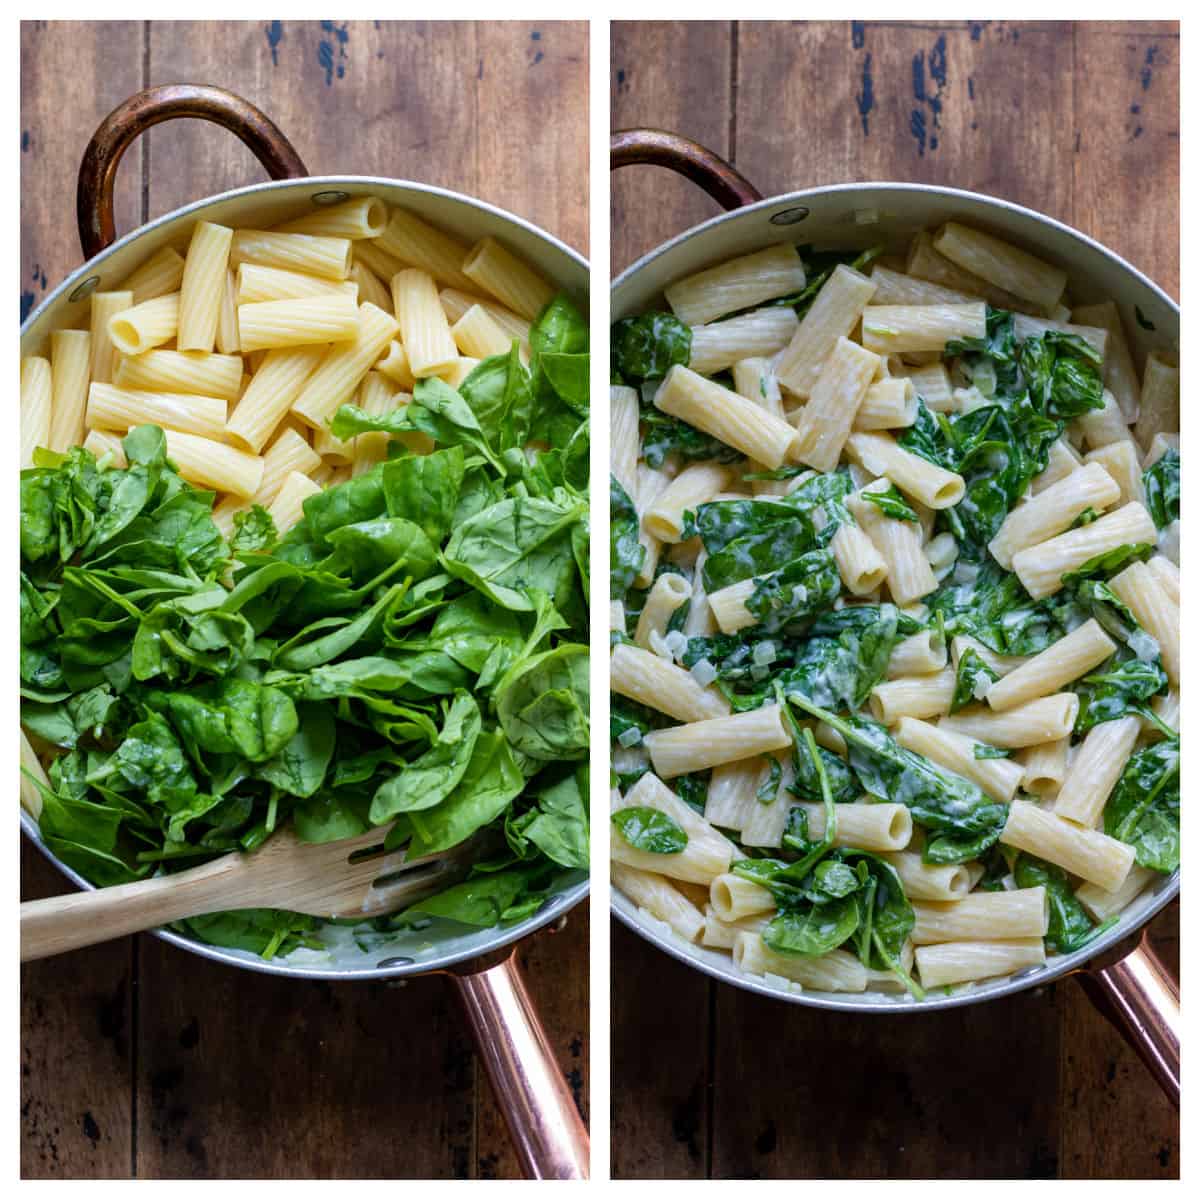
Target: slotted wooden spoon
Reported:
[(354, 877)]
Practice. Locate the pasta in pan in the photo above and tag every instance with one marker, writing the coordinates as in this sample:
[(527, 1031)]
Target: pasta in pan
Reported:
[(896, 614), (262, 493)]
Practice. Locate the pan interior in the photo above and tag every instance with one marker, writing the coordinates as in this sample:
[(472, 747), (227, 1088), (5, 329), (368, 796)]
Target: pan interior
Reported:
[(346, 954), (857, 216)]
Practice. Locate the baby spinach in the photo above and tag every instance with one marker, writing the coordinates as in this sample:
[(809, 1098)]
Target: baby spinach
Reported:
[(542, 704), (203, 694), (809, 584), (892, 504), (1143, 809), (1120, 689), (625, 551), (1070, 928), (1161, 481), (663, 435), (972, 680), (960, 819), (649, 830), (648, 346)]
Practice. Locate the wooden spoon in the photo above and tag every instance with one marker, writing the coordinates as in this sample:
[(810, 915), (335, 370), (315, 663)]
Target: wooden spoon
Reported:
[(354, 877)]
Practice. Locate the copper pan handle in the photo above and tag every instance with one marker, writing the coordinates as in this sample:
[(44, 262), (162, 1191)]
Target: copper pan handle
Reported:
[(722, 181), (550, 1137), (98, 170), (1137, 993)]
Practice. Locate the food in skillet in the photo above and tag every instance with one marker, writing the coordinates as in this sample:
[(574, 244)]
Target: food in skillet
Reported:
[(895, 614), (301, 547)]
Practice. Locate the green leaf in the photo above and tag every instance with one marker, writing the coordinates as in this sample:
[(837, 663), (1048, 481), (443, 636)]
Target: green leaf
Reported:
[(648, 346), (542, 704), (649, 830), (892, 504), (1143, 809), (429, 779), (626, 551), (1161, 481)]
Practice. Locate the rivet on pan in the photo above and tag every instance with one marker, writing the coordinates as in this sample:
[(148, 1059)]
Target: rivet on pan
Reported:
[(557, 926), (85, 289), (399, 960), (790, 216), (323, 198)]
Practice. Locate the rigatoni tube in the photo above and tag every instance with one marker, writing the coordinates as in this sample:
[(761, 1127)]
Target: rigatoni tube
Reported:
[(1091, 855), (1062, 662), (881, 454), (982, 916), (703, 744), (695, 485), (725, 415), (214, 465), (1002, 265), (203, 286), (867, 826), (660, 898), (949, 963), (111, 407), (837, 971), (904, 328), (1041, 568), (1028, 724), (307, 321), (832, 315), (663, 686), (736, 284), (1095, 769), (999, 777), (343, 367), (707, 854), (757, 334), (825, 421), (920, 696), (1053, 511)]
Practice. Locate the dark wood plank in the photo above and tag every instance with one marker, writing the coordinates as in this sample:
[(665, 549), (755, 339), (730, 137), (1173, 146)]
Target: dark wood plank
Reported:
[(73, 74), (496, 110), (675, 75), (242, 1075), (1127, 164), (983, 106), (76, 1011), (555, 965), (531, 122), (662, 1087), (76, 1052), (964, 1094), (352, 98)]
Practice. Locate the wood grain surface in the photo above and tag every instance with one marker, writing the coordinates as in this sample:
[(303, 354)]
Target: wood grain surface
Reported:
[(1080, 121), (138, 1059)]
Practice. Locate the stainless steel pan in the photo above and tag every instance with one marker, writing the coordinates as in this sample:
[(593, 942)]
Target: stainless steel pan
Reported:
[(1119, 970), (549, 1135)]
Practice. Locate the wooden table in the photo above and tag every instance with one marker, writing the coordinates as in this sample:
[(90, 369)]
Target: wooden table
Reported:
[(139, 1059), (1078, 121)]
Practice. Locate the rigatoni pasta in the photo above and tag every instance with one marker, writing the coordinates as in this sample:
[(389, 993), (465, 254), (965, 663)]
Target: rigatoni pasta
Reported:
[(934, 498)]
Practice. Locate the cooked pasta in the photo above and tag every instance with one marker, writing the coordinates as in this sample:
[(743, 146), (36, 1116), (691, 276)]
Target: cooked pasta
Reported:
[(946, 644), (283, 508)]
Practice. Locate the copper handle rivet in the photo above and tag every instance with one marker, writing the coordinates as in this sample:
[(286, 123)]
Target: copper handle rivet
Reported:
[(85, 289), (790, 216)]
